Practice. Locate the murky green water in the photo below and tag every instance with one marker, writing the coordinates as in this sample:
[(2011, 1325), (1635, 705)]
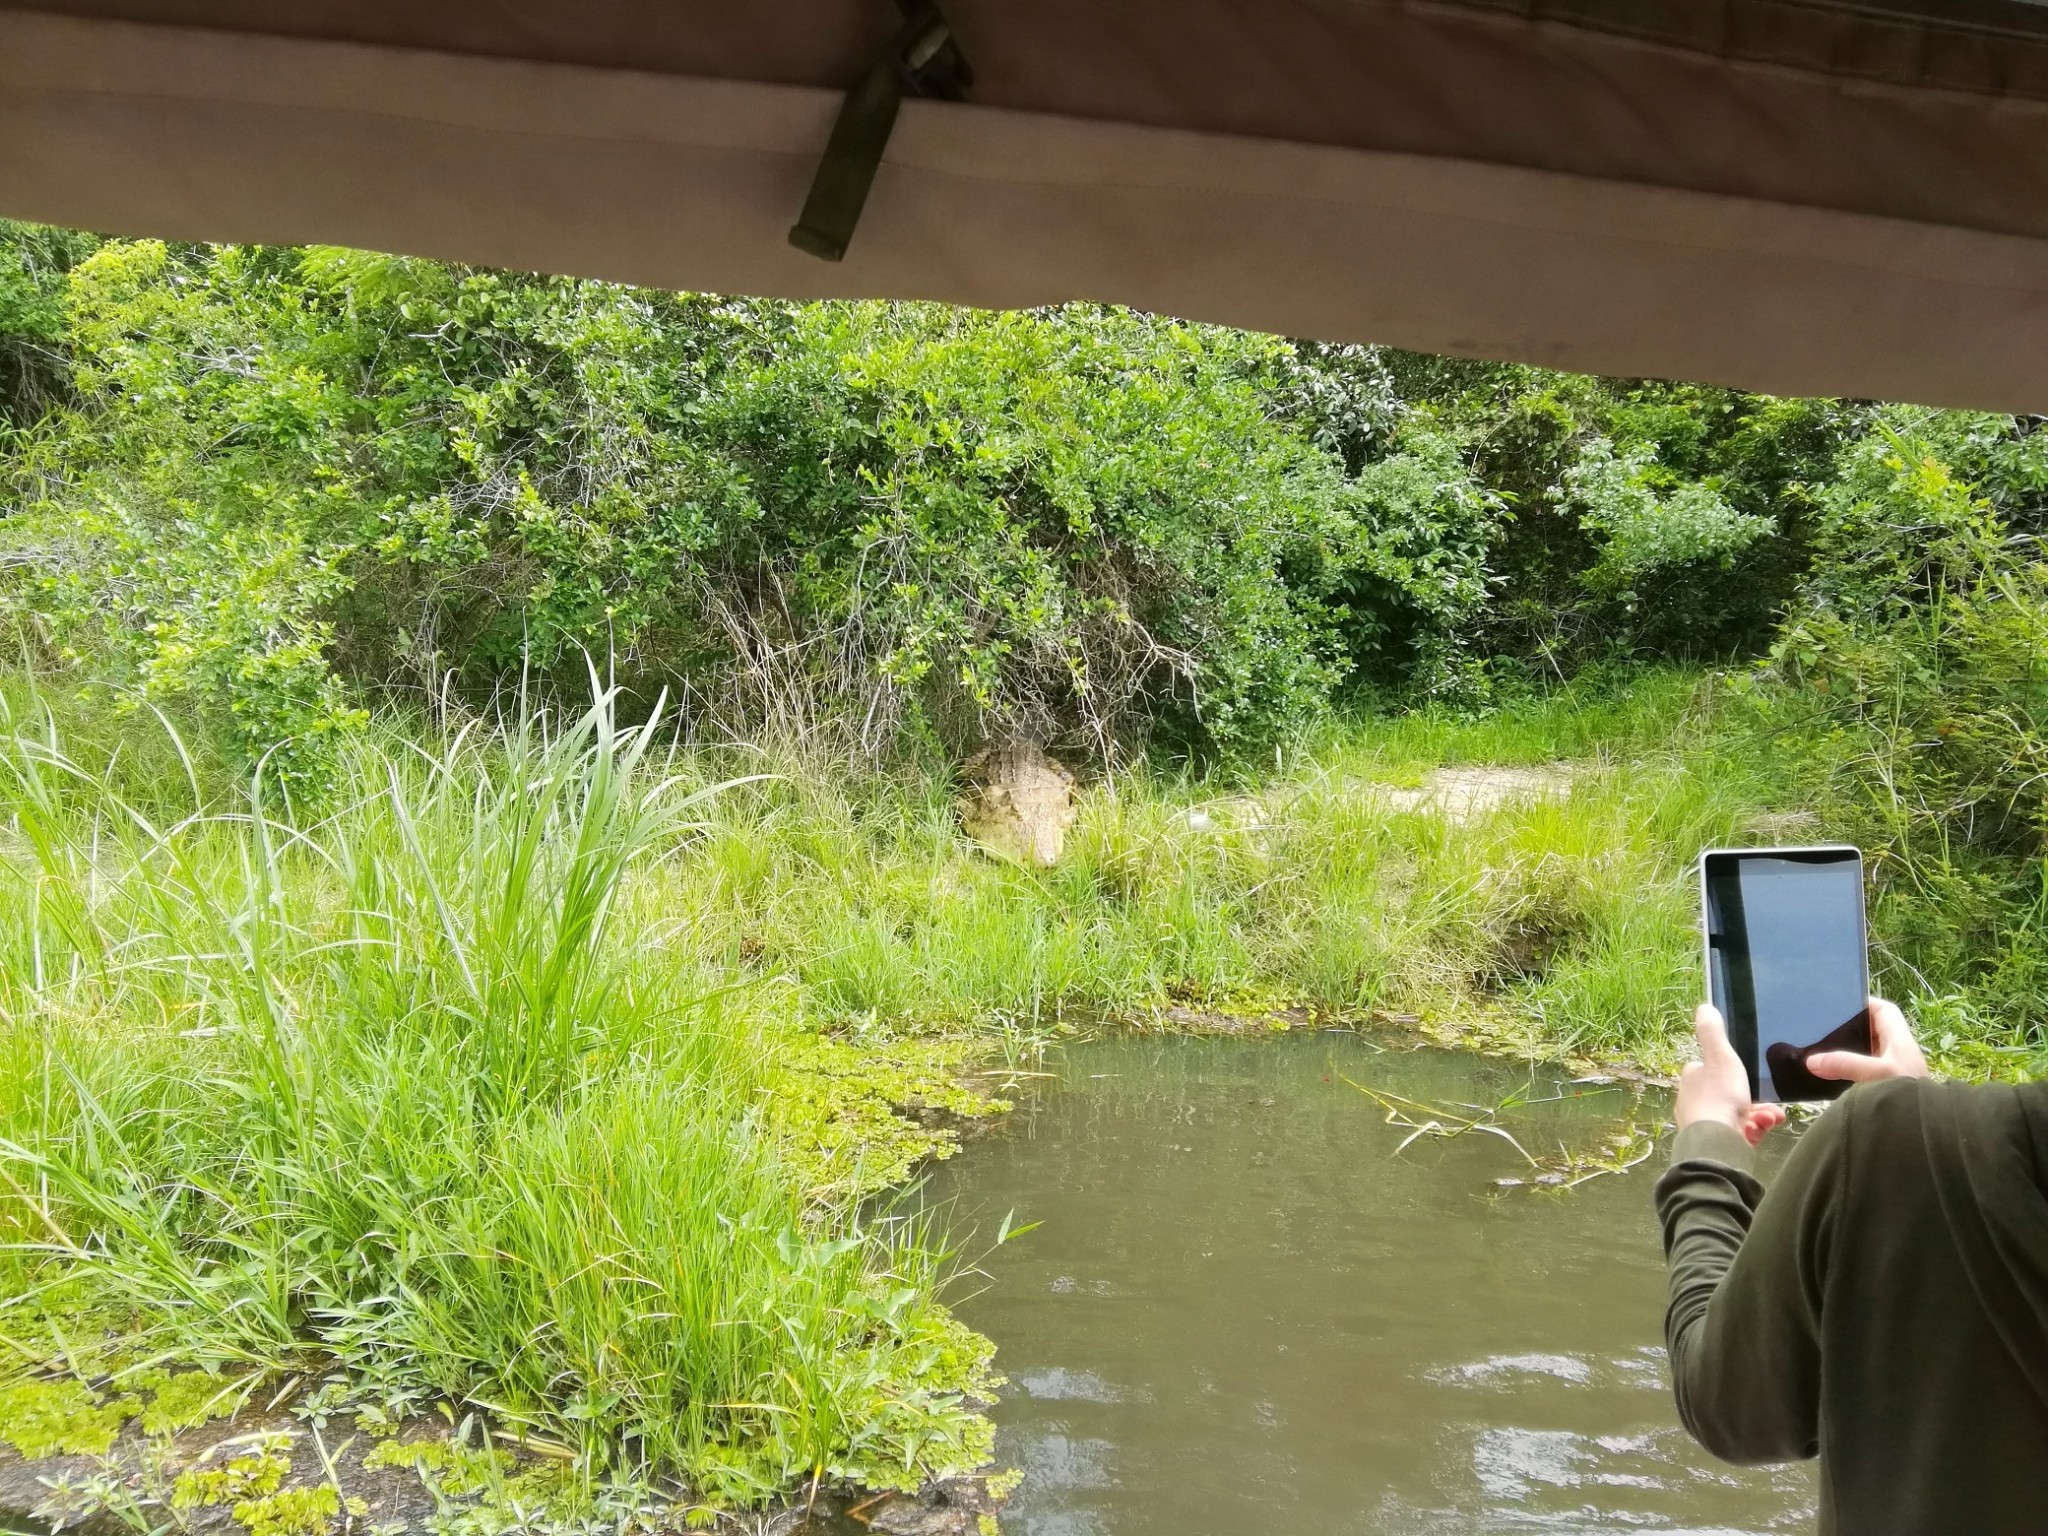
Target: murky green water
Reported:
[(1244, 1313)]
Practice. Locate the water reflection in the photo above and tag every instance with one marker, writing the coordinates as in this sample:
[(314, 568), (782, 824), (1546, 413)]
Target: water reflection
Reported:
[(1243, 1314)]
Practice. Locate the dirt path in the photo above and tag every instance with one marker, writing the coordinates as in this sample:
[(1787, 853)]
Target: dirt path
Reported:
[(1461, 793)]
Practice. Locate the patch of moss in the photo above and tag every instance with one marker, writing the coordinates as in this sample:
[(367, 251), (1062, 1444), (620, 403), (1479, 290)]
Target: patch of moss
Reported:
[(550, 1485), (295, 1512), (445, 1467), (494, 1495), (254, 1475), (838, 1106), (42, 1418), (67, 1329), (186, 1400), (1001, 1485)]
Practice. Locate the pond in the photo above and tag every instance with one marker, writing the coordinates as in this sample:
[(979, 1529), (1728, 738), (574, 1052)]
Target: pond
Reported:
[(1246, 1309)]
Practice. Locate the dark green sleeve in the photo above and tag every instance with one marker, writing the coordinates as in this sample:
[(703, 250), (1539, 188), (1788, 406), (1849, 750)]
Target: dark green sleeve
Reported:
[(1743, 1324)]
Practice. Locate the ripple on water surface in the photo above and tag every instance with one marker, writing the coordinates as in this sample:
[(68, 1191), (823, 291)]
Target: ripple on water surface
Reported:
[(1243, 1313)]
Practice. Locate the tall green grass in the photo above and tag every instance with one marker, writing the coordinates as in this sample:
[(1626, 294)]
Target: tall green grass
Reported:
[(429, 1087), (1566, 921)]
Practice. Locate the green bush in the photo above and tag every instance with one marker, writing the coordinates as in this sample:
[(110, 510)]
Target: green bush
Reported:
[(1913, 696), (1643, 520), (1079, 521), (34, 366), (1414, 578), (286, 468), (253, 485)]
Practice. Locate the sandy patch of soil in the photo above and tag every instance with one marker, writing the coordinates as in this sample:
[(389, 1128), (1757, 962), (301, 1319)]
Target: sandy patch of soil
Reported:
[(1462, 793)]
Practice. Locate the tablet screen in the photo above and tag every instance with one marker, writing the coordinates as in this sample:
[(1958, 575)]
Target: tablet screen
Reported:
[(1786, 962)]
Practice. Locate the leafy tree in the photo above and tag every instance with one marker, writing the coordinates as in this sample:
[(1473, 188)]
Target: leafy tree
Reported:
[(1414, 580), (1643, 532)]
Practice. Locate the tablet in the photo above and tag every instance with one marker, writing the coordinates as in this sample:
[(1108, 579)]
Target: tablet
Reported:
[(1787, 961)]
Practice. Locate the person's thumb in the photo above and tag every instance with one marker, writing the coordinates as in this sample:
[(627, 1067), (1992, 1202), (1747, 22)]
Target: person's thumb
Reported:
[(1707, 1024), (1849, 1066), (1887, 1025)]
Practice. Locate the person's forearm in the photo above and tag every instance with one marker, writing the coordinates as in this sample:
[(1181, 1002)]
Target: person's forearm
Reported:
[(1705, 1201), (1733, 1382)]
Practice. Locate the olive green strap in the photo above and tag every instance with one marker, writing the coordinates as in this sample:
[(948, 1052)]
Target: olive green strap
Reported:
[(923, 60)]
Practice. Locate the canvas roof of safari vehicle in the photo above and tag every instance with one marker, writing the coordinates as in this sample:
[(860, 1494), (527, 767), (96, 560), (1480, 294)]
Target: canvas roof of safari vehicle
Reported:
[(1800, 196)]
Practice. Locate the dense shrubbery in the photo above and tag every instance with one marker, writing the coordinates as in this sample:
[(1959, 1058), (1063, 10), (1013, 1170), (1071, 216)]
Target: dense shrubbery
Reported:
[(1916, 655), (262, 483), (284, 469), (33, 364)]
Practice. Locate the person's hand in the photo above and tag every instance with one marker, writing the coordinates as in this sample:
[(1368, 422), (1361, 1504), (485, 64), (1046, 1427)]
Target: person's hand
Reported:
[(1717, 1088), (1897, 1053)]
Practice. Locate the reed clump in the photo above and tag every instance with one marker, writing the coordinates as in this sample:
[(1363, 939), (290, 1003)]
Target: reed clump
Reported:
[(427, 1089)]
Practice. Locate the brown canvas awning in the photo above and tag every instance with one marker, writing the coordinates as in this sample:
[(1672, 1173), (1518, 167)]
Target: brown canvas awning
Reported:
[(1800, 196)]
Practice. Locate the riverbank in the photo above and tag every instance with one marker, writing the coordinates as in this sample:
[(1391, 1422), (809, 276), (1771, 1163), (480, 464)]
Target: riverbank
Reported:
[(543, 1082), (1523, 876)]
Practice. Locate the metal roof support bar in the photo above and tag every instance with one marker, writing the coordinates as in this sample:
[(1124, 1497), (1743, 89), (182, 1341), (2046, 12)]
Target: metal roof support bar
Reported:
[(921, 60)]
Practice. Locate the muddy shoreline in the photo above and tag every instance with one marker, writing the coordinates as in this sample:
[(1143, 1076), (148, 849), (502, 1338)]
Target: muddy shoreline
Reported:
[(279, 1474)]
